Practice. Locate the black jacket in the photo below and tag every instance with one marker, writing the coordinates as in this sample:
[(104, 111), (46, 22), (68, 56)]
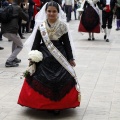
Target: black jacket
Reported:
[(103, 4), (12, 26)]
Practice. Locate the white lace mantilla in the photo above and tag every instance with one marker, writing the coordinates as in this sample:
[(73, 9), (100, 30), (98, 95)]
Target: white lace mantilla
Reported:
[(56, 30)]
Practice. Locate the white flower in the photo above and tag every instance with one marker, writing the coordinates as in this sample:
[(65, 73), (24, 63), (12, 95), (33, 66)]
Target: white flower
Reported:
[(35, 56)]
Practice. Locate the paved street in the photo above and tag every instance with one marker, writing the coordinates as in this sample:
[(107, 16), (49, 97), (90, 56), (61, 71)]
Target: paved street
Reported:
[(98, 71)]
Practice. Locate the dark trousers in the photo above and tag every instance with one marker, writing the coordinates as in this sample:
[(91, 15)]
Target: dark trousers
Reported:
[(24, 28), (68, 10), (20, 24), (0, 35), (75, 12), (107, 18)]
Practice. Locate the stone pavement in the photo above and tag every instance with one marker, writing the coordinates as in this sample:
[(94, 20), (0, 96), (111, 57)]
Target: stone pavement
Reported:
[(98, 71)]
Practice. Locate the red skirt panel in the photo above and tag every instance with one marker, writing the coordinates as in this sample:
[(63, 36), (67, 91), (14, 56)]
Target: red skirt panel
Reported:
[(82, 28), (30, 98)]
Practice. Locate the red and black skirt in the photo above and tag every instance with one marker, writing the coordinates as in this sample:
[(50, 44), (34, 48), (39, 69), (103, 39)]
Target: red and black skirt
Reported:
[(90, 21), (51, 87)]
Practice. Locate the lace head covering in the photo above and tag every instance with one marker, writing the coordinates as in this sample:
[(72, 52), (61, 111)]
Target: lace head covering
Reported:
[(40, 18)]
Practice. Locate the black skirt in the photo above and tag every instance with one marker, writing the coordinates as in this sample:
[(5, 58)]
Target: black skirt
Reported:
[(51, 79), (90, 18)]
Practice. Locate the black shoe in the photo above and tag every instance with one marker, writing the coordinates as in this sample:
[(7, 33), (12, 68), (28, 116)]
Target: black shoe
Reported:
[(22, 37), (11, 64), (68, 20), (16, 60), (107, 40), (117, 29), (9, 40), (105, 37), (50, 111), (29, 31), (89, 39), (56, 112), (1, 48), (23, 31), (93, 38)]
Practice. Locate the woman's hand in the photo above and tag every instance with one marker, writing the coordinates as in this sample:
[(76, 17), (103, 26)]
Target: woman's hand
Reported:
[(30, 62), (72, 63)]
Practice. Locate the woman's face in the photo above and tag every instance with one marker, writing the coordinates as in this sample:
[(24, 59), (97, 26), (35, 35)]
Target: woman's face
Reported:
[(52, 13)]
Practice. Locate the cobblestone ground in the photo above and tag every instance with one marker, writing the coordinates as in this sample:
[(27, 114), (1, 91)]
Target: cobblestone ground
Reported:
[(98, 71)]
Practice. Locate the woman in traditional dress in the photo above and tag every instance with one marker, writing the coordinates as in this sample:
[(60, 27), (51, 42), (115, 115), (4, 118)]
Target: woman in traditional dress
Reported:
[(90, 21), (54, 85)]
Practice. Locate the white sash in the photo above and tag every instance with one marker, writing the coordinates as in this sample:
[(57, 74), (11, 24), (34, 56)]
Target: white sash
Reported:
[(57, 54), (93, 5)]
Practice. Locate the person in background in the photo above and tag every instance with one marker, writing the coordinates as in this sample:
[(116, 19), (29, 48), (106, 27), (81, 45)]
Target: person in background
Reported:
[(90, 20), (10, 31), (78, 7), (24, 6), (69, 6), (75, 8), (117, 5), (20, 21), (5, 3), (30, 13), (1, 48), (36, 7), (107, 7), (0, 36), (45, 1), (0, 24)]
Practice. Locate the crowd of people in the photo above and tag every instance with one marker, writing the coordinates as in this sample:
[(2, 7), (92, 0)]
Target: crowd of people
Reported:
[(31, 7), (53, 85)]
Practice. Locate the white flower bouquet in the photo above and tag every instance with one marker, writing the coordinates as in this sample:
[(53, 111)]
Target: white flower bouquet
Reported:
[(35, 56)]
